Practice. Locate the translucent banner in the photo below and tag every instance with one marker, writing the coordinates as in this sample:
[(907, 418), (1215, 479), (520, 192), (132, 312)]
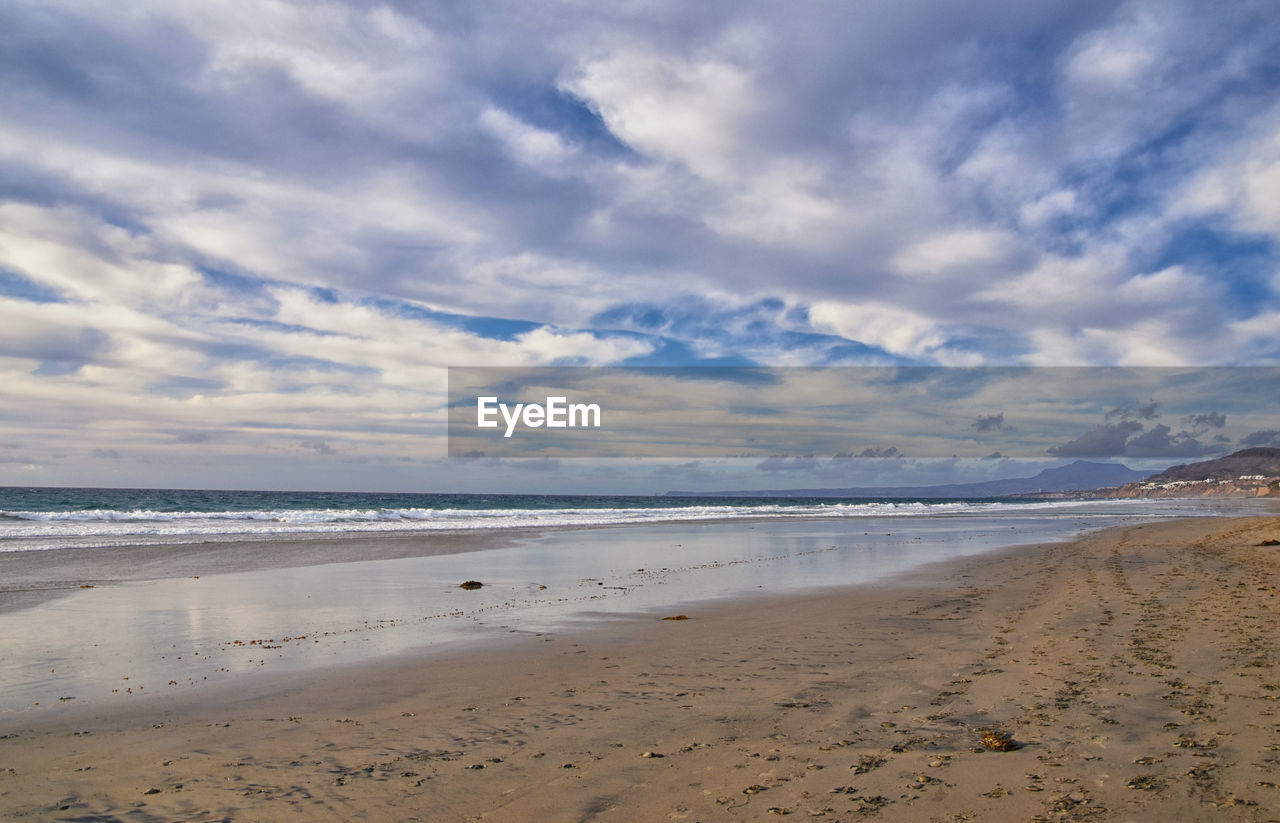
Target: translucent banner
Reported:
[(862, 412)]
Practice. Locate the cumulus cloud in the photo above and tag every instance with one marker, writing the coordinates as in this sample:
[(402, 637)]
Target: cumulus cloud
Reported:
[(689, 111)]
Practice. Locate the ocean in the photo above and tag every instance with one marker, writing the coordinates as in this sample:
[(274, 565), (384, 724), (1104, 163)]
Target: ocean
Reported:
[(53, 518)]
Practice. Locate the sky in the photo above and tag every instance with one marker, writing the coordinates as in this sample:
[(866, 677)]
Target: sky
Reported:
[(242, 242)]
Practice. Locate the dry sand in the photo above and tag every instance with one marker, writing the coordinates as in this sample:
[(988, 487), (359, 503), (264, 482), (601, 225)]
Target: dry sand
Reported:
[(1138, 669)]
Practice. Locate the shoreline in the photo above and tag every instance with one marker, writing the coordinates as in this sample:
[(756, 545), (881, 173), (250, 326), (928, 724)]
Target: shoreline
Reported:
[(29, 577), (1137, 666)]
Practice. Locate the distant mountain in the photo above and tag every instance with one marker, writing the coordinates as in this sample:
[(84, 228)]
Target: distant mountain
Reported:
[(1077, 476), (1249, 462), (1247, 473)]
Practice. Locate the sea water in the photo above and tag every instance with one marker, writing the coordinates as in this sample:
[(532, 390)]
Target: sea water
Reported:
[(52, 518)]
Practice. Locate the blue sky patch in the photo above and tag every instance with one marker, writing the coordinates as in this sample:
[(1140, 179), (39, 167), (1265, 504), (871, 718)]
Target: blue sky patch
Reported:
[(1243, 264), (13, 284)]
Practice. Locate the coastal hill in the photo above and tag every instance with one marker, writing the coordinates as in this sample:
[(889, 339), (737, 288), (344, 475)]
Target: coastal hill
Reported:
[(1247, 473), (1078, 476)]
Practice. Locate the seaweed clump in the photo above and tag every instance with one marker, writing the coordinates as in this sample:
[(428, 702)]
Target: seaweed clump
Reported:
[(998, 741)]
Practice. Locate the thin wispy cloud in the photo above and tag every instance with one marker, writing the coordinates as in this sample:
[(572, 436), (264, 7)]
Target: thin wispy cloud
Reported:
[(259, 228)]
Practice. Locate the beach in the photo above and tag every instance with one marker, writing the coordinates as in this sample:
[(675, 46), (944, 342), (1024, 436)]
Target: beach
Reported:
[(544, 412), (1135, 670)]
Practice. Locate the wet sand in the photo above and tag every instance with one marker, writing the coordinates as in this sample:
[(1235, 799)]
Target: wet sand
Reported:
[(1138, 670), (31, 577)]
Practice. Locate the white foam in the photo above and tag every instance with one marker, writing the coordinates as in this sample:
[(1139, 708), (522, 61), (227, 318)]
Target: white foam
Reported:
[(116, 525)]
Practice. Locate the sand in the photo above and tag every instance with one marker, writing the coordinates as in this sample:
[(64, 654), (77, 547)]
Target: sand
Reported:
[(1137, 669)]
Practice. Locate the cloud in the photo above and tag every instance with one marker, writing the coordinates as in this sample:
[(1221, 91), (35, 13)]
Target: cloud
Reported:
[(532, 466), (1129, 438), (1106, 440), (1146, 411), (1265, 437), (788, 464), (706, 134), (957, 250), (1160, 442), (989, 422), (579, 348), (316, 208), (683, 111), (1238, 185), (48, 336), (1211, 420), (541, 150), (19, 459), (692, 469), (895, 330), (318, 446), (882, 452)]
